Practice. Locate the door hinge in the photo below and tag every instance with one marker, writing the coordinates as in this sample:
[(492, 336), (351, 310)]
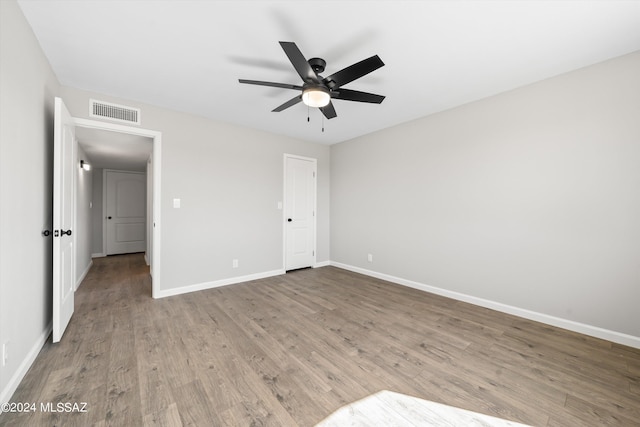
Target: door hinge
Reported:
[(313, 253), (314, 174)]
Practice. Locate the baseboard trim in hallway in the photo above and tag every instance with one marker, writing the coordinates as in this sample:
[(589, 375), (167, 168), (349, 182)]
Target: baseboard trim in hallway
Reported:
[(14, 382)]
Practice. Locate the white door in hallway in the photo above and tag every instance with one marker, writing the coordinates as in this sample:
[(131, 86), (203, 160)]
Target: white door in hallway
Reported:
[(125, 210), (63, 218), (300, 211)]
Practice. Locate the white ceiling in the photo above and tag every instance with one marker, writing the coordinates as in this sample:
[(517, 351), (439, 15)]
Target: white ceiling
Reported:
[(114, 150), (188, 55)]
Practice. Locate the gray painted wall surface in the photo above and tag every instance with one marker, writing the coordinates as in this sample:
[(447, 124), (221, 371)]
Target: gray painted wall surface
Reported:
[(84, 216), (529, 198), (27, 87), (96, 214)]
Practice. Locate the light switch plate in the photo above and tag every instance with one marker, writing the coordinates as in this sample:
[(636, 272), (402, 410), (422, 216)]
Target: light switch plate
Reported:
[(176, 203)]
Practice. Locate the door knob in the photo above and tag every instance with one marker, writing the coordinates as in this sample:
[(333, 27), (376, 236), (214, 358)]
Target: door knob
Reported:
[(62, 232), (46, 233), (108, 217), (289, 220)]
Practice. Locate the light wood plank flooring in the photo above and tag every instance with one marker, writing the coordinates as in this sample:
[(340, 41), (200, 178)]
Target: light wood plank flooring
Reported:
[(290, 350)]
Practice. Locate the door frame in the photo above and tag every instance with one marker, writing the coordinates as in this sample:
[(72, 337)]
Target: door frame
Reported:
[(156, 154), (285, 204)]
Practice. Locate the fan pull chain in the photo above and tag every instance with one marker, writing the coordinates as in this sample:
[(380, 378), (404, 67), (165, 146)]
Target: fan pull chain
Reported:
[(323, 123), (308, 114)]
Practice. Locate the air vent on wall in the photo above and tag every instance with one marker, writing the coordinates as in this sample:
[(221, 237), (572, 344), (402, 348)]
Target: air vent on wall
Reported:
[(118, 113)]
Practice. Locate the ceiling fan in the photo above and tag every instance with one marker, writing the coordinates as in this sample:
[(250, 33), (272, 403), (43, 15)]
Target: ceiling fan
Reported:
[(317, 91)]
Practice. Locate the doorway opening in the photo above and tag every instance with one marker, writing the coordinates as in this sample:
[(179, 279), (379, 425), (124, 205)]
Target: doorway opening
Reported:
[(134, 151), (66, 160)]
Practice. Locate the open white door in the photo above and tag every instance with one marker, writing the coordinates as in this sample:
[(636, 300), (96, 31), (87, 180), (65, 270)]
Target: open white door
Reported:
[(300, 211), (63, 213)]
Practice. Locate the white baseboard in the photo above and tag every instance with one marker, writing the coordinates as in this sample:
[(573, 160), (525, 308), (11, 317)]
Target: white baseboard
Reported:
[(594, 331), (83, 275), (98, 255), (322, 264), (15, 380), (217, 283)]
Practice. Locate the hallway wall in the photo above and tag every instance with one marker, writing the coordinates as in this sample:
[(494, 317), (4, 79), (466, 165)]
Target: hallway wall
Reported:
[(28, 87)]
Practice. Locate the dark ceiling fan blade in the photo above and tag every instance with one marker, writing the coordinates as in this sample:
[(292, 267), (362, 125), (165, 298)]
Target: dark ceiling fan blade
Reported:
[(289, 103), (299, 62), (356, 95), (328, 111), (353, 72), (260, 83)]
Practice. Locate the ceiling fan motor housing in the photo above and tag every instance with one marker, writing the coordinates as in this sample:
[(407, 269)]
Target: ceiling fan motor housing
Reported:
[(317, 64)]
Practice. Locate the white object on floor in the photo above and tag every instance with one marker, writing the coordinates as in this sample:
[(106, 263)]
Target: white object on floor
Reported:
[(390, 409)]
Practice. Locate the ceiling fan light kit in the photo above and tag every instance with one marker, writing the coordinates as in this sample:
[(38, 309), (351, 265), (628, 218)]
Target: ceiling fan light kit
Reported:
[(318, 91), (317, 96)]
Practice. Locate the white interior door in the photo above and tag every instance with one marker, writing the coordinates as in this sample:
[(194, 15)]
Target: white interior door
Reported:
[(63, 217), (300, 210), (126, 219)]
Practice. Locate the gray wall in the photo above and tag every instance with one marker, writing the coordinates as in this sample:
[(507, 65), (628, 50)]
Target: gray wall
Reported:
[(530, 198), (96, 214), (229, 180), (27, 89), (84, 217)]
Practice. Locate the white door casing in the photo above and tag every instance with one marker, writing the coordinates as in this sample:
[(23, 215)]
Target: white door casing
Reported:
[(149, 254), (64, 145), (300, 212), (125, 211)]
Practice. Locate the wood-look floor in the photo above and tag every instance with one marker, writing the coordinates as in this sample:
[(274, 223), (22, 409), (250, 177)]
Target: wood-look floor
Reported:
[(291, 349)]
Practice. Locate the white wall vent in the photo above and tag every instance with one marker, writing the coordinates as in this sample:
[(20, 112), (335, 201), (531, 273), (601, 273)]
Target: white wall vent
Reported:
[(115, 112)]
